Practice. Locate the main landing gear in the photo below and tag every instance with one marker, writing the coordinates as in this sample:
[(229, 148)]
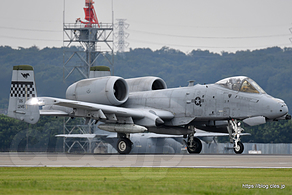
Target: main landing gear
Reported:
[(124, 145), (194, 145), (234, 137)]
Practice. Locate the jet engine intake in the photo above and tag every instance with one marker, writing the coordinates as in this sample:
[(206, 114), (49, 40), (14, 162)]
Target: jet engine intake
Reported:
[(145, 84), (111, 90)]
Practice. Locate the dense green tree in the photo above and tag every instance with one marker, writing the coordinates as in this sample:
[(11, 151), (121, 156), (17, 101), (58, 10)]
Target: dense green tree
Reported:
[(16, 135)]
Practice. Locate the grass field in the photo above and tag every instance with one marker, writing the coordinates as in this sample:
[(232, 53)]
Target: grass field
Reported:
[(44, 180)]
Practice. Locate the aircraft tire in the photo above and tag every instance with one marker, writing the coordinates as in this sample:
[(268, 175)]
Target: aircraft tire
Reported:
[(124, 146), (196, 148), (239, 149)]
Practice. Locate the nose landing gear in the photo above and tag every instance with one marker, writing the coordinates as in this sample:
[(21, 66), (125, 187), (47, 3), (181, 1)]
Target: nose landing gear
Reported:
[(235, 137)]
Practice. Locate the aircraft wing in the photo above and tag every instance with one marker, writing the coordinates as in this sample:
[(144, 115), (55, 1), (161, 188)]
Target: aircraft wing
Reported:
[(146, 116), (154, 135), (201, 133), (88, 106), (207, 134), (215, 134), (77, 135), (149, 135)]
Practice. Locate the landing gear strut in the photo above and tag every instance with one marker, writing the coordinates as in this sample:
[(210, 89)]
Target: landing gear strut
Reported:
[(124, 145), (235, 137), (194, 145)]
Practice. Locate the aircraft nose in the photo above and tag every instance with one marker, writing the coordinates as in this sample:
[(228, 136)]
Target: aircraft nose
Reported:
[(281, 109), (284, 109)]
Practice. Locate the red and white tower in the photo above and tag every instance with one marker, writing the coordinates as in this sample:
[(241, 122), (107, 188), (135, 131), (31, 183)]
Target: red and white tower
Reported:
[(90, 14), (94, 45), (94, 37)]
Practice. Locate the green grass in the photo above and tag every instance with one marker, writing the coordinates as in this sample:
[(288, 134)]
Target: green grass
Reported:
[(44, 180)]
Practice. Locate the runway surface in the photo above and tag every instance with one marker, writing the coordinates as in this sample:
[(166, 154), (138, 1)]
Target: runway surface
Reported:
[(144, 160)]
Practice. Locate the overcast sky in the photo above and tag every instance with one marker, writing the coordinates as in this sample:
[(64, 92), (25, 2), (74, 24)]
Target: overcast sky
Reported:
[(215, 25)]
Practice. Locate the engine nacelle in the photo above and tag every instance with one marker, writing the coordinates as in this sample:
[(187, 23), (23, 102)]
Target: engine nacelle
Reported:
[(111, 90), (145, 84)]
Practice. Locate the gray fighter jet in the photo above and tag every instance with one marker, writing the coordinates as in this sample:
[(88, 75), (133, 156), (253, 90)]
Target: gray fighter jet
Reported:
[(143, 104)]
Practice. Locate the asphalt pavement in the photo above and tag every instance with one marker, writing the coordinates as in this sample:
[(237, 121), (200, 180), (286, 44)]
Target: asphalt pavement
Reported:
[(16, 159)]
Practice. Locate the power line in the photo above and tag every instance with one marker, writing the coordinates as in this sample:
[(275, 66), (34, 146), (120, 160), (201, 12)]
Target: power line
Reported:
[(25, 29), (211, 37), (210, 27), (155, 43), (33, 39), (212, 47)]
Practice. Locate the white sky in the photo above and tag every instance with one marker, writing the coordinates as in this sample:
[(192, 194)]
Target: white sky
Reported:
[(215, 25)]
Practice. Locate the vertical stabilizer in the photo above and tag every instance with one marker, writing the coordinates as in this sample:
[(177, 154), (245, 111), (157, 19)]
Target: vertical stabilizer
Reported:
[(22, 89), (99, 71)]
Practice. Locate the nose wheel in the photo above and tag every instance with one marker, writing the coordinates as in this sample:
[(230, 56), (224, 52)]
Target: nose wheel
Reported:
[(238, 148), (233, 125)]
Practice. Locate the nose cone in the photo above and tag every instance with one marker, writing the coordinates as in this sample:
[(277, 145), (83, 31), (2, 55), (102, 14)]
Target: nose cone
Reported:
[(279, 109), (283, 108)]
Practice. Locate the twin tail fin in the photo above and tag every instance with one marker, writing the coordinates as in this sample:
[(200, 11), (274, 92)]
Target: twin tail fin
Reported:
[(22, 89)]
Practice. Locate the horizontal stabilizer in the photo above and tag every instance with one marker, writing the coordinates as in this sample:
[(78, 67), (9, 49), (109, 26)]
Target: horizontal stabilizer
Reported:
[(53, 113), (77, 135)]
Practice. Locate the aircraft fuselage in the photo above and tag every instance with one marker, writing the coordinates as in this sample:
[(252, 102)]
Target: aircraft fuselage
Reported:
[(208, 103)]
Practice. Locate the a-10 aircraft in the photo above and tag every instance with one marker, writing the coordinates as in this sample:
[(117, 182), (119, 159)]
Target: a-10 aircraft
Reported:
[(145, 104)]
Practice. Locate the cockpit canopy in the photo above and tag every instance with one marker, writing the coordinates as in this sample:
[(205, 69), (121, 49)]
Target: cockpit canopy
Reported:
[(241, 83)]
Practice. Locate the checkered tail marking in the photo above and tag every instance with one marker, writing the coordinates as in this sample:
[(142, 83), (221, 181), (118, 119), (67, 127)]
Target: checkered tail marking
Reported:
[(20, 89)]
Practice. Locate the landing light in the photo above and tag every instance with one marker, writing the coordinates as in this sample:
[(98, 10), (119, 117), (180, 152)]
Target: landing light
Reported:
[(34, 101)]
